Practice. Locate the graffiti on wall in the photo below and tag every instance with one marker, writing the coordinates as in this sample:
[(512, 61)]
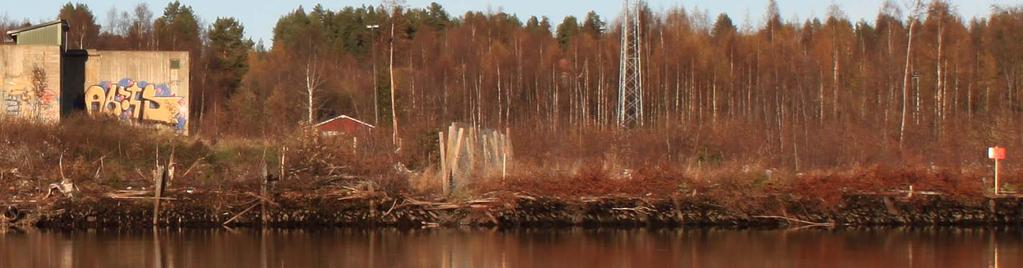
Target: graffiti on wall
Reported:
[(28, 97), (138, 100)]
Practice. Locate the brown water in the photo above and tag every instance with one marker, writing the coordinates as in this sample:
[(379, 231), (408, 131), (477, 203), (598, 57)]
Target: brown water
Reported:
[(921, 247)]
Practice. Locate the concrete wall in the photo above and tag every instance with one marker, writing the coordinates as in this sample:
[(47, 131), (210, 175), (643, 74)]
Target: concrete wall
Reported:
[(30, 77), (150, 86)]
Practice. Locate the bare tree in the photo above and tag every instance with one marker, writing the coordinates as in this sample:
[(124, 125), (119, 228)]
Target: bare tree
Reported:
[(5, 24), (313, 81), (395, 6), (914, 15), (141, 28)]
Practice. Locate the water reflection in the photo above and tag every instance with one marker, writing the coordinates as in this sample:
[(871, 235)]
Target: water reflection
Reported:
[(908, 247)]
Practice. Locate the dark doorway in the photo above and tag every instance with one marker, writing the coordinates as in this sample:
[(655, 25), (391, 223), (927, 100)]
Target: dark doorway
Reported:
[(72, 79)]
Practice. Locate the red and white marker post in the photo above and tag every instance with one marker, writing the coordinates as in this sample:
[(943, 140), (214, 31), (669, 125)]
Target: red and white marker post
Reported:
[(998, 154)]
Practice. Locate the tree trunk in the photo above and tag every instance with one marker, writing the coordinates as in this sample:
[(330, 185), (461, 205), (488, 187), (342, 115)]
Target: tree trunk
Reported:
[(394, 111), (905, 77), (834, 78), (312, 81)]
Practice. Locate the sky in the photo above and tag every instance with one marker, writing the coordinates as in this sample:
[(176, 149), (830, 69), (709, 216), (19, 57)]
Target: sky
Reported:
[(259, 16)]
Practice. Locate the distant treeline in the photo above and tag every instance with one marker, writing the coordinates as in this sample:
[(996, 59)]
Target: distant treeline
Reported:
[(917, 84)]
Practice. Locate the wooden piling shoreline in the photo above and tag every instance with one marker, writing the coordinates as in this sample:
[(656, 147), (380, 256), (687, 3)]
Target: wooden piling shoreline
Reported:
[(369, 209)]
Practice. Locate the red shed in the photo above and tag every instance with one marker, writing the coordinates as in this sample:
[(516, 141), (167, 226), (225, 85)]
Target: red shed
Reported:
[(343, 124)]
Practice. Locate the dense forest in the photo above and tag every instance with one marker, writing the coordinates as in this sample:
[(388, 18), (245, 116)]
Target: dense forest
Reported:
[(918, 85)]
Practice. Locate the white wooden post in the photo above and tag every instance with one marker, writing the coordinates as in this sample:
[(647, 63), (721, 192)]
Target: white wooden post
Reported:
[(996, 153), (454, 158), (997, 192), (443, 163)]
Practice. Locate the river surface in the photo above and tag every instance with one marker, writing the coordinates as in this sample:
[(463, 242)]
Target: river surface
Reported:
[(576, 247)]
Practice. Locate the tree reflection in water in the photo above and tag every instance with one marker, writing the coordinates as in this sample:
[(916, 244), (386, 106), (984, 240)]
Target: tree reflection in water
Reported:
[(574, 247)]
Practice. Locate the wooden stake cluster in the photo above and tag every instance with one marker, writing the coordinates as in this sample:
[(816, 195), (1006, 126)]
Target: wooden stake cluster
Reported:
[(467, 152)]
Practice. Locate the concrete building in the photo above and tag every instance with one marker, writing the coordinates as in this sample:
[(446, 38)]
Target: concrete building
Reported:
[(30, 81), (40, 79)]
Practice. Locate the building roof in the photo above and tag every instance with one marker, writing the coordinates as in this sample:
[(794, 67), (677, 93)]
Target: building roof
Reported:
[(14, 32), (50, 33), (344, 117)]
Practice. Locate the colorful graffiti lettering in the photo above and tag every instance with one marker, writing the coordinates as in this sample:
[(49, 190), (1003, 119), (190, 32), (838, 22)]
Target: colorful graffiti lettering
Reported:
[(138, 100), (20, 97)]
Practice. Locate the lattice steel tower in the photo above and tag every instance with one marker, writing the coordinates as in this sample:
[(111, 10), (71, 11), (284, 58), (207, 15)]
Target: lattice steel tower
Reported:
[(630, 83)]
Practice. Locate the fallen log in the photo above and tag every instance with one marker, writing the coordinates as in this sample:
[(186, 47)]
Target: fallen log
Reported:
[(444, 207), (805, 223), (483, 201), (141, 197), (644, 210), (524, 196), (194, 163), (432, 205), (392, 207), (236, 216), (263, 198)]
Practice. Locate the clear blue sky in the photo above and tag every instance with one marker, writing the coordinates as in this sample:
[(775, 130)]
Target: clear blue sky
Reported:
[(259, 16)]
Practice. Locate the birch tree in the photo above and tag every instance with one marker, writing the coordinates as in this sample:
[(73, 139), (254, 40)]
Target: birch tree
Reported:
[(914, 15)]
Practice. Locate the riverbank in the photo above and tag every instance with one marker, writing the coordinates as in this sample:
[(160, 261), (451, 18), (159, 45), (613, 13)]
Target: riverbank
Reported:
[(89, 174), (504, 209)]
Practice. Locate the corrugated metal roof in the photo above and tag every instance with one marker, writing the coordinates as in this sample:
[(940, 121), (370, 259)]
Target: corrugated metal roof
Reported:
[(344, 117), (50, 33), (37, 26)]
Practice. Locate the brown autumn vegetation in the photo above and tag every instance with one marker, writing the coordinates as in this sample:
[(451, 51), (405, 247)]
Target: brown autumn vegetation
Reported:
[(814, 108), (102, 154)]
